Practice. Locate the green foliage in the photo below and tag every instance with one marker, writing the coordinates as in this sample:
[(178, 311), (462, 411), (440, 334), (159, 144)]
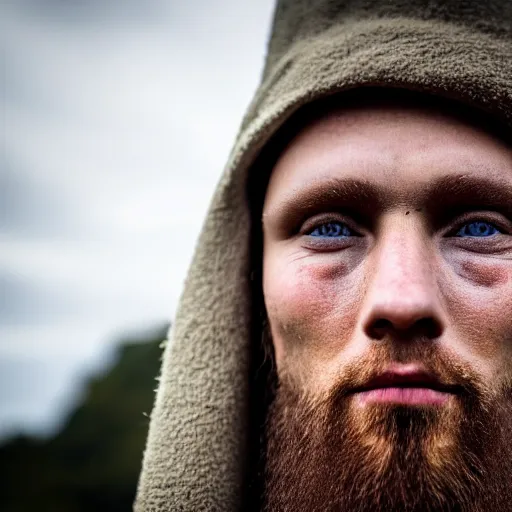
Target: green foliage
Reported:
[(93, 463)]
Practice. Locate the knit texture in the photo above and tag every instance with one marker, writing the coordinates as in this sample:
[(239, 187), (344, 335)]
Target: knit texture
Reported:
[(195, 459)]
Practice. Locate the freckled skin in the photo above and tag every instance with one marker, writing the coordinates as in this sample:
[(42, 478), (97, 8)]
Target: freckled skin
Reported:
[(324, 306)]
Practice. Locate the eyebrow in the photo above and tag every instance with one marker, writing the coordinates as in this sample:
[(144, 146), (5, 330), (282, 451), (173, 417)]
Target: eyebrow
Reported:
[(470, 191), (348, 193), (335, 190), (365, 198)]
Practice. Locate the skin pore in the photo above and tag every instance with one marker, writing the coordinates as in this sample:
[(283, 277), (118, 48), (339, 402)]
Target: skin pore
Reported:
[(387, 282)]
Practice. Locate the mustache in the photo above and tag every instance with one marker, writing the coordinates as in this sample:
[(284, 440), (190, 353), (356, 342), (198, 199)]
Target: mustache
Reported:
[(441, 366), (321, 453)]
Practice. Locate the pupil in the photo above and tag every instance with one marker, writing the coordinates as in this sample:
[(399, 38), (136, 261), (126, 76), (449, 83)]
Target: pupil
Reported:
[(331, 230), (480, 229)]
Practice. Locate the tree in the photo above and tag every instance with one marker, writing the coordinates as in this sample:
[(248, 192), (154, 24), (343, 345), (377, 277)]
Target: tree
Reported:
[(93, 463)]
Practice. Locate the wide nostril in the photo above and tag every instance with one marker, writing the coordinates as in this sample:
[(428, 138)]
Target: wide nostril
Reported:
[(426, 327)]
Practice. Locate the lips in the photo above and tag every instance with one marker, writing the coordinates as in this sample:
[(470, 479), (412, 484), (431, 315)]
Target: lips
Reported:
[(405, 385)]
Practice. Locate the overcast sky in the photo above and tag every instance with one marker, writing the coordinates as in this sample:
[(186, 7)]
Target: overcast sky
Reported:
[(118, 117)]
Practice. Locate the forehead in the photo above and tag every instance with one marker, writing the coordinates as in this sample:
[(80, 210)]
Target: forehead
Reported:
[(398, 149)]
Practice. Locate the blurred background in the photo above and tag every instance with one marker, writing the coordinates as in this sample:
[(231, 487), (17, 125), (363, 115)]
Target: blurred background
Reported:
[(117, 119)]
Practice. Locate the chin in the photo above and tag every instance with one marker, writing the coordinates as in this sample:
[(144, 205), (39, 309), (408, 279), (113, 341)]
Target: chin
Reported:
[(427, 439), (341, 456)]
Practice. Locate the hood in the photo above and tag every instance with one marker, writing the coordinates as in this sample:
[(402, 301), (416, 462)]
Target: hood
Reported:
[(197, 449)]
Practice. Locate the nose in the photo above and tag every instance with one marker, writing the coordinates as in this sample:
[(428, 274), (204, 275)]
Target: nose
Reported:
[(402, 298)]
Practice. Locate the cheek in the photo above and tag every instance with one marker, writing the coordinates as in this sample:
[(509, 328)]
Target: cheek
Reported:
[(312, 308), (487, 275), (479, 294)]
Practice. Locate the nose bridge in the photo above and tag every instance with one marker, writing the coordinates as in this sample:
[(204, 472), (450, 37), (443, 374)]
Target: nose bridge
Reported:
[(403, 262), (402, 288)]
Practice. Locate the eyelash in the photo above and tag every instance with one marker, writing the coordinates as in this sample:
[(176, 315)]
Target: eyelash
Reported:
[(473, 218), (312, 224), (467, 219)]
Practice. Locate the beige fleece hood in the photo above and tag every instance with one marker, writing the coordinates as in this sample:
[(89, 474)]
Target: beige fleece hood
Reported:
[(197, 449)]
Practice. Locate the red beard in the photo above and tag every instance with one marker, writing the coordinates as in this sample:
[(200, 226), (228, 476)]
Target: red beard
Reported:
[(324, 454)]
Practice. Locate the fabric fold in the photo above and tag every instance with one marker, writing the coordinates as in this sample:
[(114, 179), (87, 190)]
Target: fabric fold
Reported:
[(195, 458)]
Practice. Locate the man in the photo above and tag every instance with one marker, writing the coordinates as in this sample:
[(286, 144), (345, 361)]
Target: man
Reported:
[(387, 269), (361, 241)]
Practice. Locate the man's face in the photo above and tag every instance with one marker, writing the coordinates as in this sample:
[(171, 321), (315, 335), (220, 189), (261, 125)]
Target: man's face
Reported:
[(387, 280)]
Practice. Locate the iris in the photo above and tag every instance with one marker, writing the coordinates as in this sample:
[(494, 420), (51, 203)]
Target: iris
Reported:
[(332, 230), (340, 230), (478, 229)]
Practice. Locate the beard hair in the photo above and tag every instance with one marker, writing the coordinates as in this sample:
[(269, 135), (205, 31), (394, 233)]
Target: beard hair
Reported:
[(324, 453)]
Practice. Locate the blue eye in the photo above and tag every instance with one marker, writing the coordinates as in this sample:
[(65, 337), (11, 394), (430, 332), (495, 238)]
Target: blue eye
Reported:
[(332, 230), (478, 229)]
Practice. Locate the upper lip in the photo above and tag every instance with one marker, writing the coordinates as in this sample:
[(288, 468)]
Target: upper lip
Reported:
[(407, 377)]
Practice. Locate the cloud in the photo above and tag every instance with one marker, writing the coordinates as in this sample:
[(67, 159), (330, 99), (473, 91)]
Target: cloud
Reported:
[(120, 117), (93, 12)]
